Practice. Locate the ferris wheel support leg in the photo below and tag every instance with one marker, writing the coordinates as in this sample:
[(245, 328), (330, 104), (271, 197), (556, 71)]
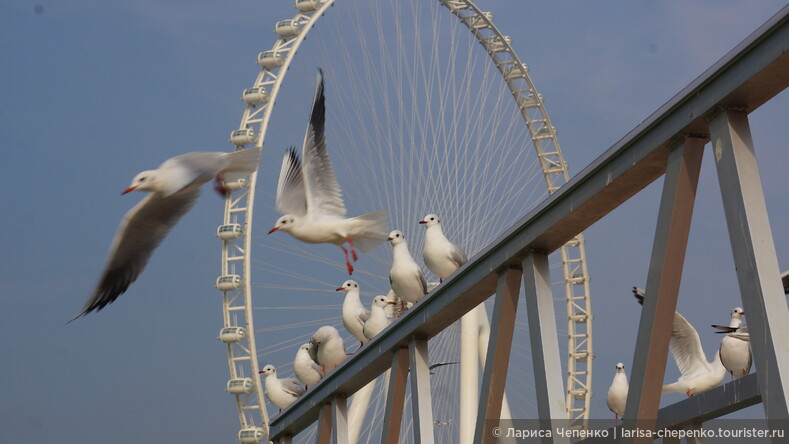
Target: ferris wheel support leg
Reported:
[(755, 258), (469, 375), (497, 360), (541, 318), (665, 272), (358, 409)]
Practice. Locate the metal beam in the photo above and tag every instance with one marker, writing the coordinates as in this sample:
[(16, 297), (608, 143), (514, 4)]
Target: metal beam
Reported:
[(665, 274), (323, 436), (548, 377), (395, 398), (755, 71), (754, 257), (421, 399), (494, 377), (339, 419)]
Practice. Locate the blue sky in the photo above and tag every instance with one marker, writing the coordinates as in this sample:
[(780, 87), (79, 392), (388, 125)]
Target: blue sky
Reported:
[(94, 92)]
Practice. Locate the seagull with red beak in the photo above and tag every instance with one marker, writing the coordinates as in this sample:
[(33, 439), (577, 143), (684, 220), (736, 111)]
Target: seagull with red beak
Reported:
[(311, 200), (442, 257)]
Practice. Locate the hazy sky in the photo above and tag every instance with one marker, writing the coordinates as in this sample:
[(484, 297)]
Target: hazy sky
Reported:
[(94, 92)]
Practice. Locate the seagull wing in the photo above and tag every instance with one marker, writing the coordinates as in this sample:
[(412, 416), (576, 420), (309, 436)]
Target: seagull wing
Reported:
[(457, 255), (141, 231), (686, 347), (324, 196), (182, 171), (363, 316), (291, 195), (292, 386)]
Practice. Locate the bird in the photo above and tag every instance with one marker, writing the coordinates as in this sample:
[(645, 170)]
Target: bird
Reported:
[(330, 349), (735, 353), (405, 277), (310, 198), (741, 332), (617, 393), (354, 314), (378, 319), (442, 257), (432, 368), (307, 370), (698, 375), (281, 392), (398, 308), (174, 188)]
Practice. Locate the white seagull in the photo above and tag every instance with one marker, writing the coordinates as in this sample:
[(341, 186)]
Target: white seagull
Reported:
[(353, 312), (398, 307), (330, 350), (406, 278), (740, 332), (442, 257), (307, 370), (698, 375), (617, 393), (174, 188), (281, 392), (734, 352), (311, 200), (378, 319)]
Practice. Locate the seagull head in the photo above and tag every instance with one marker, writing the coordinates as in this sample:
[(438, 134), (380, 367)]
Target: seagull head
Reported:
[(431, 220), (349, 285), (737, 313), (620, 368), (268, 370), (284, 223), (324, 334), (145, 181), (306, 347), (396, 237), (381, 301)]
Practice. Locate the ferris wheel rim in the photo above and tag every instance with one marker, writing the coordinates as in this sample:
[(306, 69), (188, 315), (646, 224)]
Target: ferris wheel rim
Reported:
[(552, 168)]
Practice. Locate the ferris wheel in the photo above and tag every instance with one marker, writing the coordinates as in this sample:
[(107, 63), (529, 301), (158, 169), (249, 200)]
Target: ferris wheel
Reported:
[(420, 120)]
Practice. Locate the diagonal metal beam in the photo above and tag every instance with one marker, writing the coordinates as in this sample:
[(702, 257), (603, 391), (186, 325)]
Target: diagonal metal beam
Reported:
[(665, 274), (339, 419), (548, 380), (421, 400), (323, 436), (494, 376), (754, 257), (395, 398)]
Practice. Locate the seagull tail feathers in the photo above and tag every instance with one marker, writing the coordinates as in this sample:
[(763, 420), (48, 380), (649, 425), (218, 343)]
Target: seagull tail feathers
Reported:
[(373, 232)]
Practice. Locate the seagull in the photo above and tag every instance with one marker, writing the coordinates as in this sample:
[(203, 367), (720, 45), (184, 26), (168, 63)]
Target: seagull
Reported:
[(406, 278), (174, 188), (354, 314), (442, 257), (735, 353), (396, 309), (617, 393), (281, 392), (307, 370), (330, 348), (698, 375), (311, 201), (378, 319)]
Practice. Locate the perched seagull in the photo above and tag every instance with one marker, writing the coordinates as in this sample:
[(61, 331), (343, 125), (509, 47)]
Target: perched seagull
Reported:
[(330, 348), (396, 309), (311, 200), (173, 188), (281, 392), (698, 375), (354, 314), (442, 257), (378, 319), (617, 393), (735, 353), (406, 278), (307, 370)]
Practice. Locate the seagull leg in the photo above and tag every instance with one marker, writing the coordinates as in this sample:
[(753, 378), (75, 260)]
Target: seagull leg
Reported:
[(690, 395), (220, 187), (353, 251), (347, 262)]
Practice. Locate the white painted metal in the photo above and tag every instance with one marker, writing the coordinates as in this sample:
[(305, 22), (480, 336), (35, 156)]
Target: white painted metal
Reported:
[(421, 398), (339, 420), (395, 398), (469, 374), (357, 410), (239, 205), (754, 257), (576, 274)]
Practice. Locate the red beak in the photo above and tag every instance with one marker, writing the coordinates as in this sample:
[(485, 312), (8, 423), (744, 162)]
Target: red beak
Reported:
[(389, 238), (422, 221), (273, 230), (743, 313), (339, 289), (392, 303), (128, 190), (262, 371)]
